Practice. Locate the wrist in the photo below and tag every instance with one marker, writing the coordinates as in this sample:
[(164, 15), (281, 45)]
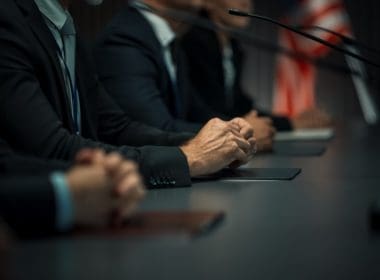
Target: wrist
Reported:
[(195, 163), (63, 200)]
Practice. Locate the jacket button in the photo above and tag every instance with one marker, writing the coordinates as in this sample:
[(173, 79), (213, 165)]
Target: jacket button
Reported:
[(153, 182)]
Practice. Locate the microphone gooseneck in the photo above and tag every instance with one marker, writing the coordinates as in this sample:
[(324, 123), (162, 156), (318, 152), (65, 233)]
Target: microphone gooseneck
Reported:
[(249, 39), (347, 40), (239, 13)]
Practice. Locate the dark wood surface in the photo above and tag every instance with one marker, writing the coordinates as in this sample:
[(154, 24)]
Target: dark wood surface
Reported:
[(314, 227)]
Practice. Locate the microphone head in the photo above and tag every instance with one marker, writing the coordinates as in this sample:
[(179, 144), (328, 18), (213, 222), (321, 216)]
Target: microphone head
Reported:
[(236, 12)]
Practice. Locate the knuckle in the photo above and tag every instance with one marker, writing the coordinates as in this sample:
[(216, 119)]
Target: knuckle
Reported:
[(215, 121), (231, 137), (234, 147)]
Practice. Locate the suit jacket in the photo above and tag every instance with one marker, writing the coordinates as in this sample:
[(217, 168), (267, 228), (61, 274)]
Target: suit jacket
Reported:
[(131, 66), (205, 60), (13, 165), (35, 114), (27, 200), (28, 204)]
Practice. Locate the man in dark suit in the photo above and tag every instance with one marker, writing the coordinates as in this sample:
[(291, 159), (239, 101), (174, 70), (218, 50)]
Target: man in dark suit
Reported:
[(142, 65), (52, 104), (37, 201), (216, 63)]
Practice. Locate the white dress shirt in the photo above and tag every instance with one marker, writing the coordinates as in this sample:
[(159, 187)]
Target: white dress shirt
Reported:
[(165, 36)]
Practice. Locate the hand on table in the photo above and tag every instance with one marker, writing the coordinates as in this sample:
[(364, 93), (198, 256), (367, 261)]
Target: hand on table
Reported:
[(105, 188), (220, 144), (264, 130)]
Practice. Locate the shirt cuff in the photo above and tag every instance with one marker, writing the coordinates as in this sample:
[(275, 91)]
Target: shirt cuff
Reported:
[(64, 205)]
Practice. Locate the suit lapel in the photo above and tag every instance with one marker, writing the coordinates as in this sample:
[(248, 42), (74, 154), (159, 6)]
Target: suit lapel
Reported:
[(215, 56), (146, 35), (183, 84), (42, 33), (87, 84)]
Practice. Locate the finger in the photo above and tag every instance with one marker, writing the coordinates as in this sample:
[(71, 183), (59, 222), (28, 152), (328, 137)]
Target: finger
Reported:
[(235, 133), (252, 142), (85, 156), (99, 157), (124, 207), (254, 146), (239, 122), (244, 128), (125, 170), (247, 132), (130, 185), (113, 162), (232, 126), (242, 144), (135, 194), (241, 157)]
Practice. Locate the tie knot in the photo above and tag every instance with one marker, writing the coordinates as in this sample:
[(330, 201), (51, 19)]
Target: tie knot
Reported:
[(69, 27)]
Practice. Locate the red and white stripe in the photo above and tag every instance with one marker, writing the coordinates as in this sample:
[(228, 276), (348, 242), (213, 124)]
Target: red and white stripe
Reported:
[(295, 83)]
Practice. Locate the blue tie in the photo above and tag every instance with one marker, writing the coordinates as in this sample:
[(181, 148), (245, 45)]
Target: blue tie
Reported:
[(68, 34)]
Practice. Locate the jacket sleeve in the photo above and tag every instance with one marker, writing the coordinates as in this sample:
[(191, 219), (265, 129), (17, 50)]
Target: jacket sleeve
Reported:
[(28, 205)]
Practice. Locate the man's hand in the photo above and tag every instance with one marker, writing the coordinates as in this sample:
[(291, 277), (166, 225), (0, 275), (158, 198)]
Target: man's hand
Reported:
[(220, 144), (312, 119), (264, 130), (105, 188)]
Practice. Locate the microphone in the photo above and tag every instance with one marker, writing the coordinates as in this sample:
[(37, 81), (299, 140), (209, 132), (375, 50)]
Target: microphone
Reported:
[(345, 39), (206, 24), (239, 13)]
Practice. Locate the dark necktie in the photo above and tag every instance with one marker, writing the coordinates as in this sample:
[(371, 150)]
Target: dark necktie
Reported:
[(68, 34)]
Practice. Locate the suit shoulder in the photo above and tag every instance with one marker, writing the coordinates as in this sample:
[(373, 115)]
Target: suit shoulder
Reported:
[(128, 22)]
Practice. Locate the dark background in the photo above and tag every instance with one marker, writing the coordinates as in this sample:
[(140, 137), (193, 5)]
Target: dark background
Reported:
[(335, 91)]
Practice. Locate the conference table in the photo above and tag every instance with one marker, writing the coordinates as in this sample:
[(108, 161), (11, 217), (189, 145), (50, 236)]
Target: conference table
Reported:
[(313, 227)]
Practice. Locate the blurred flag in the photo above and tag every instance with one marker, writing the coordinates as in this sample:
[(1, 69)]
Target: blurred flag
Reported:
[(294, 90)]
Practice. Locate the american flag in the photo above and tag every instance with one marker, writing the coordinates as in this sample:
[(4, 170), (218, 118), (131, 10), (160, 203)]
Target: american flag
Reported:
[(294, 90)]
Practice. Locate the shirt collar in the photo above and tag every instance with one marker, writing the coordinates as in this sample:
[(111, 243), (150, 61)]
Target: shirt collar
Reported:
[(161, 27), (53, 11)]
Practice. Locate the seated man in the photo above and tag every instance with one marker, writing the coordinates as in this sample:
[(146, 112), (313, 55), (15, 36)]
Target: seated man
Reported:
[(142, 66), (216, 63), (52, 104), (86, 195)]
